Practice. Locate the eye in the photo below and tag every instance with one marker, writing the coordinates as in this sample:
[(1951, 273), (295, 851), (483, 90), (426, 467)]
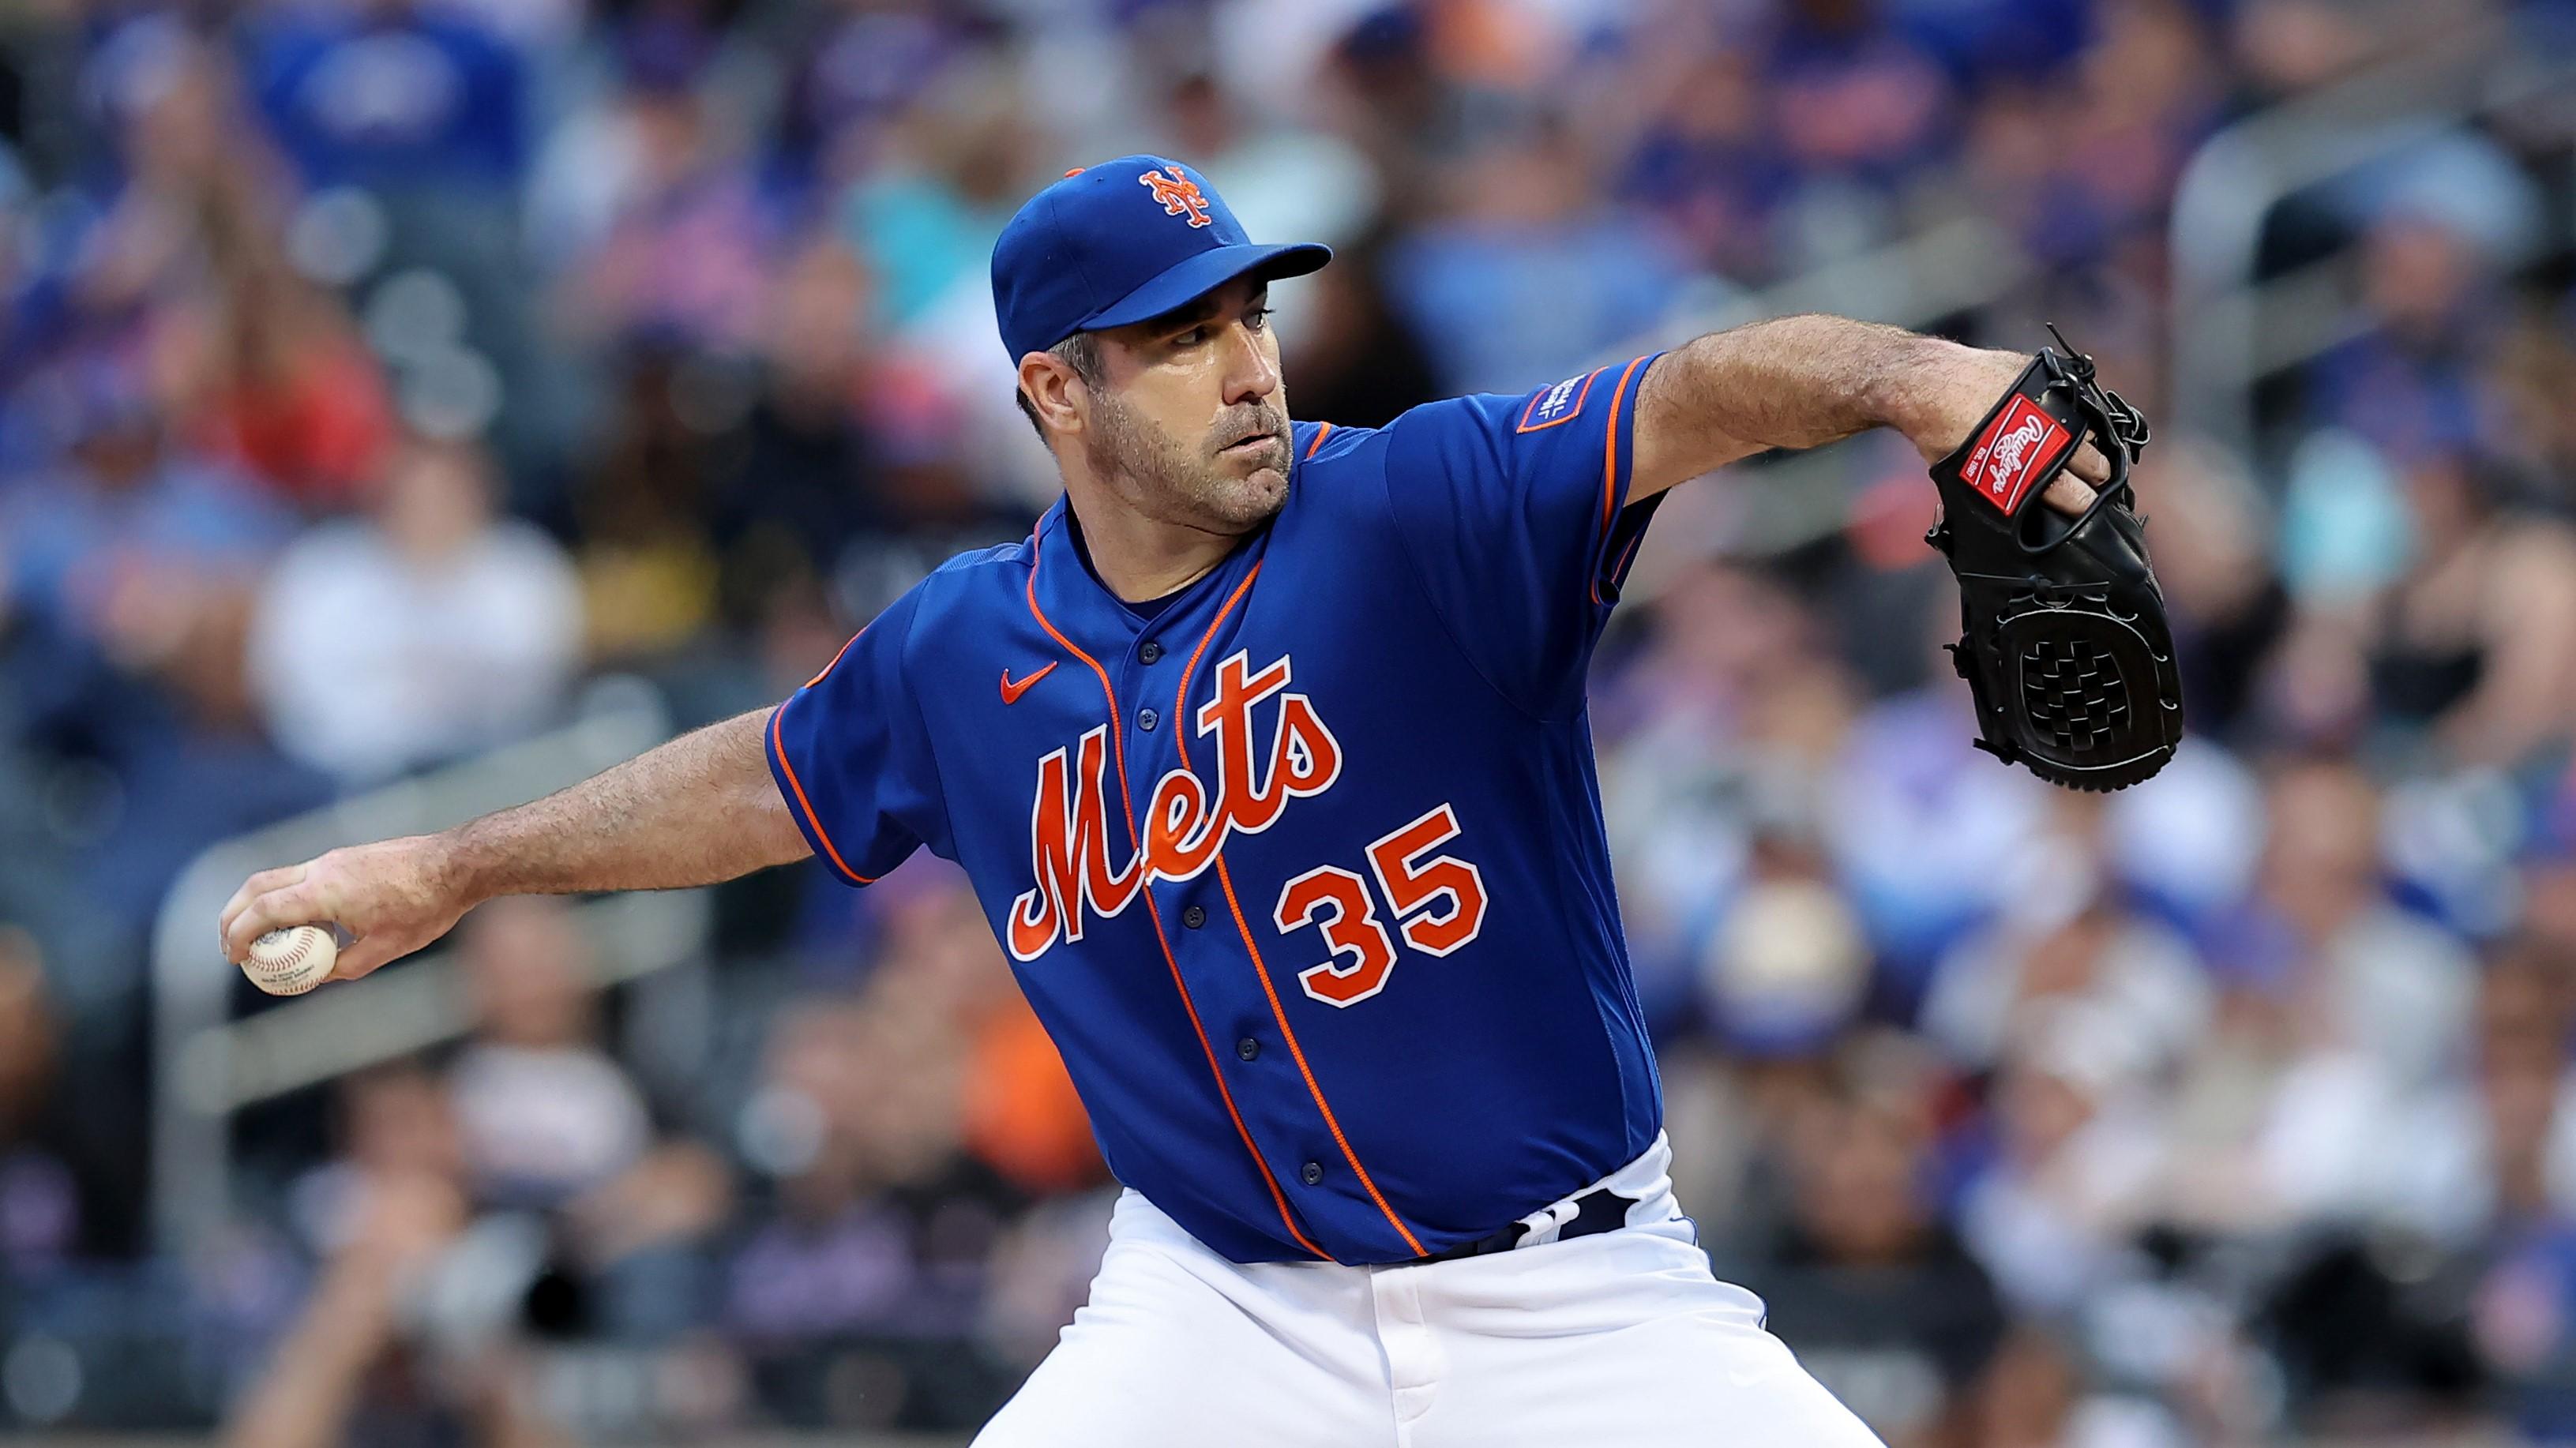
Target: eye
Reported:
[(1259, 319), (1190, 338)]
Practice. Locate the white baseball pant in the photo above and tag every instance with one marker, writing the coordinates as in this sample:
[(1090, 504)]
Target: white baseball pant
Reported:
[(1621, 1339)]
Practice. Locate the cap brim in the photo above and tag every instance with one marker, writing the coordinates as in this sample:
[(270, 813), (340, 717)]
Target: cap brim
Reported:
[(1193, 278)]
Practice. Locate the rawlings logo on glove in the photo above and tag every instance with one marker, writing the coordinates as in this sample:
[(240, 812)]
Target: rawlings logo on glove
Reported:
[(2020, 443)]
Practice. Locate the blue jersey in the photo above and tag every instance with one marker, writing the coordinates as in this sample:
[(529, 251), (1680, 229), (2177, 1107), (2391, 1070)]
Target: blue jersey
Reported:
[(1305, 874)]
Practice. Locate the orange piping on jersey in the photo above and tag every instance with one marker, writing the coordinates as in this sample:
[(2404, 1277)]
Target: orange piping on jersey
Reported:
[(1225, 880), (1610, 465), (778, 744), (1116, 728), (1322, 430), (1181, 696), (842, 653), (1620, 568)]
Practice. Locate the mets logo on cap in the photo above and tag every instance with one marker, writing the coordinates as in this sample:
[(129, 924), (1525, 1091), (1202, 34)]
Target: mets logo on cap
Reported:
[(1089, 253), (1178, 193)]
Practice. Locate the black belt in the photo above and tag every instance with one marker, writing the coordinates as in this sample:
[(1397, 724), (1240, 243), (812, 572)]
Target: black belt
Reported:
[(1596, 1211)]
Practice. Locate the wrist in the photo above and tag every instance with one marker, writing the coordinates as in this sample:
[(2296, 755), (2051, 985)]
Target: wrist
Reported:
[(1905, 391), (460, 865)]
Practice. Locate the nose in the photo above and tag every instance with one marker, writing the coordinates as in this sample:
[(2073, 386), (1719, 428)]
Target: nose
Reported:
[(1251, 373)]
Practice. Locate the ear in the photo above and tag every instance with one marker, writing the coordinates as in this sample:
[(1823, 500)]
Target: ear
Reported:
[(1054, 389)]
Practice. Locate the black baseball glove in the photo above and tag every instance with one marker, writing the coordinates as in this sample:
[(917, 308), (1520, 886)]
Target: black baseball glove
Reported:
[(2066, 647)]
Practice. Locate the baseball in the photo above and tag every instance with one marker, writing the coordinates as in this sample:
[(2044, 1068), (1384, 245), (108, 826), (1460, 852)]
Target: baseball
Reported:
[(292, 960)]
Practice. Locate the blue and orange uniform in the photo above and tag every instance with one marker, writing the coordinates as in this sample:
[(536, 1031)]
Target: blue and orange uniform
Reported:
[(1304, 870)]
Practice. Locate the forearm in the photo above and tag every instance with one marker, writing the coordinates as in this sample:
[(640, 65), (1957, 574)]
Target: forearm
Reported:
[(1793, 382), (695, 811)]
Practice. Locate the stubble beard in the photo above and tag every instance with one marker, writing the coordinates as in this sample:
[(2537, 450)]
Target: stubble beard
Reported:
[(1175, 483)]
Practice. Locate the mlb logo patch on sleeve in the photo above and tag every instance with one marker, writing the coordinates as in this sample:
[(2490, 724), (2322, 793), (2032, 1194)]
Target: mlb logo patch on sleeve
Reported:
[(1561, 403)]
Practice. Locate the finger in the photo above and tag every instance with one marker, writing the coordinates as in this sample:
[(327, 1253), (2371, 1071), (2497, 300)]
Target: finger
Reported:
[(252, 888), (293, 905), (365, 954), (2090, 465), (2067, 495)]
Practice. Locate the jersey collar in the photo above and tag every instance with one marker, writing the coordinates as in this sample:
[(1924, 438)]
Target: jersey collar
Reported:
[(1074, 599)]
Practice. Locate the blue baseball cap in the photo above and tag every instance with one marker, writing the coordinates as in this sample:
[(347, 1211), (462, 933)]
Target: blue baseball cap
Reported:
[(1118, 243)]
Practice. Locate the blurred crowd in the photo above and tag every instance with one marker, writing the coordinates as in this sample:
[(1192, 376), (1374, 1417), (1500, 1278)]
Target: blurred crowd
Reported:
[(374, 373)]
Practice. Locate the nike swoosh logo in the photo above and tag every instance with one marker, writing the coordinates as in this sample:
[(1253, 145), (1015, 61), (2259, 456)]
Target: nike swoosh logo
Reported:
[(1011, 692)]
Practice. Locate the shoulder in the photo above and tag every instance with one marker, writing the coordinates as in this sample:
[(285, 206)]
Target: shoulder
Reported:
[(1003, 562), (1329, 448), (971, 591), (328, 555), (1482, 431), (1333, 464), (1327, 442), (1426, 454)]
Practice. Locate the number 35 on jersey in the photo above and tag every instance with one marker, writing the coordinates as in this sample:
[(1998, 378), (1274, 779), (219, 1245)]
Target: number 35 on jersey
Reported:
[(1435, 900)]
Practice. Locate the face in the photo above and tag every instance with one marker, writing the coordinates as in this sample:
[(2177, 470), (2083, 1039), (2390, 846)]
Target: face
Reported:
[(2324, 832), (1856, 1183), (1188, 424)]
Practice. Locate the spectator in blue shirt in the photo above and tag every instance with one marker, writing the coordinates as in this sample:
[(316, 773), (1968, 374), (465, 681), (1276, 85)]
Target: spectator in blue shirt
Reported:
[(391, 94)]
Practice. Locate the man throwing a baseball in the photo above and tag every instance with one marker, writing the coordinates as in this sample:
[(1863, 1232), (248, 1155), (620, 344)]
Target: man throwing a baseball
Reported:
[(1267, 754)]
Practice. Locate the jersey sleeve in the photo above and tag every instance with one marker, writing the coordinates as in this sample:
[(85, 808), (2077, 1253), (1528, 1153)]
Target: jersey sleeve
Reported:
[(851, 756), (1514, 513)]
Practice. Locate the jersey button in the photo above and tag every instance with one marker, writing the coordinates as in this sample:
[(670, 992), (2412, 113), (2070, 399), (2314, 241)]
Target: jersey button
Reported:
[(1147, 718), (1194, 917), (1149, 652), (1312, 1172), (1247, 1048)]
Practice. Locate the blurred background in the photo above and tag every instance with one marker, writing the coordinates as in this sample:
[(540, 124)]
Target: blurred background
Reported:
[(407, 406)]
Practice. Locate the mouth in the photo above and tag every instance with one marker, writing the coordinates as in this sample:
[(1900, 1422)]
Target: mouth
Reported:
[(1244, 445)]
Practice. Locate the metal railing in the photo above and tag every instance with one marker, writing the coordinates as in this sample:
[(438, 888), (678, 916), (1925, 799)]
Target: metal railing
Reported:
[(208, 1066), (1952, 266), (2229, 330)]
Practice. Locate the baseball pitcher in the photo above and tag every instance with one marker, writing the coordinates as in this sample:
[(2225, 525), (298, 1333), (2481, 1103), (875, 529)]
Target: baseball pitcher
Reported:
[(1267, 754)]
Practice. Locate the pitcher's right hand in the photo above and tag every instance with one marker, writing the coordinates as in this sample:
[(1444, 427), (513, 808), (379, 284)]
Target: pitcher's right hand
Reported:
[(393, 897)]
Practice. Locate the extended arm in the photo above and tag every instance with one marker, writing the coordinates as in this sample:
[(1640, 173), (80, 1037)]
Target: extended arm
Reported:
[(695, 811), (1799, 382)]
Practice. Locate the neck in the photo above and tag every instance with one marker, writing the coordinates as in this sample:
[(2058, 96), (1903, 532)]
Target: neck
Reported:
[(1138, 557)]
